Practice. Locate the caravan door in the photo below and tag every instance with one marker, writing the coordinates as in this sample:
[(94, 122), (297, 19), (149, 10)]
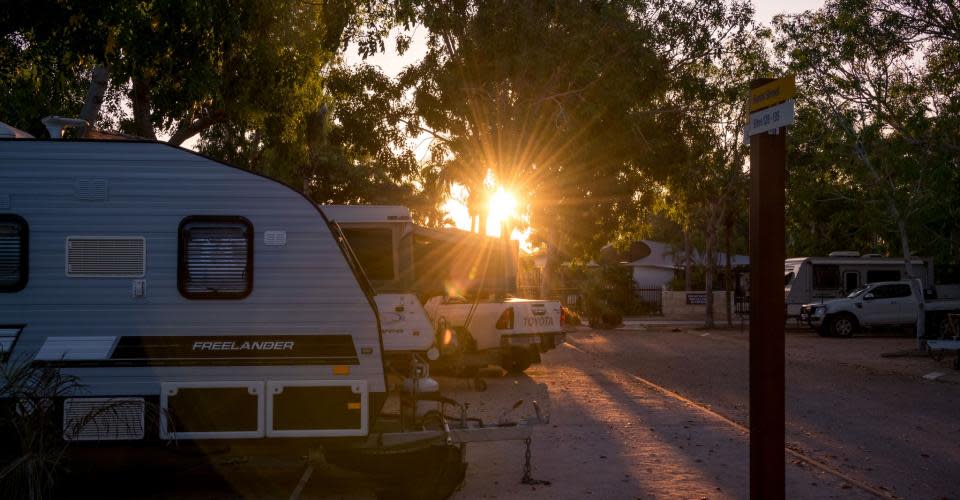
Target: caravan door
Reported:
[(851, 281)]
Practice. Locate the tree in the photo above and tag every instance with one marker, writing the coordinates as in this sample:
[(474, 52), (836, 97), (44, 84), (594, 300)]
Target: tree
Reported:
[(873, 112), (702, 191), (184, 66), (352, 149), (571, 114)]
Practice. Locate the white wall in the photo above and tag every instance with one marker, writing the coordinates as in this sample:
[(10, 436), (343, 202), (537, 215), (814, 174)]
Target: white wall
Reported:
[(651, 277)]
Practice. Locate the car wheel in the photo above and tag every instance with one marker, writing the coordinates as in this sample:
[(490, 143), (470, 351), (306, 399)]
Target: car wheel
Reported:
[(517, 361), (843, 325)]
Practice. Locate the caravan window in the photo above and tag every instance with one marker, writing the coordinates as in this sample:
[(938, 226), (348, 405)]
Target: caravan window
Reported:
[(13, 253), (826, 277), (215, 258), (876, 276), (374, 249)]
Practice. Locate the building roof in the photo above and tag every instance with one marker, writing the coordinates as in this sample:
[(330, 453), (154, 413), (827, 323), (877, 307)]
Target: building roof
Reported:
[(656, 254), (366, 213)]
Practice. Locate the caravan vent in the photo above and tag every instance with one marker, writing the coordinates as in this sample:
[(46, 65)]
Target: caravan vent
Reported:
[(103, 419), (106, 257), (844, 253), (91, 189)]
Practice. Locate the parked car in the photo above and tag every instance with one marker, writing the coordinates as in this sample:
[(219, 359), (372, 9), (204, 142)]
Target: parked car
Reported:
[(884, 304)]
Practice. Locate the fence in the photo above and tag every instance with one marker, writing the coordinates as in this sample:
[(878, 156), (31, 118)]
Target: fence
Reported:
[(649, 300)]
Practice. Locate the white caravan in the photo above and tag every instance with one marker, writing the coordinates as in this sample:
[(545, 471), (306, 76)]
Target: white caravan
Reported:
[(817, 279), (198, 303), (447, 289)]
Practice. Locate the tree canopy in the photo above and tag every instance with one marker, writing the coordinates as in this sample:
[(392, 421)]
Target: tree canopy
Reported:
[(611, 120)]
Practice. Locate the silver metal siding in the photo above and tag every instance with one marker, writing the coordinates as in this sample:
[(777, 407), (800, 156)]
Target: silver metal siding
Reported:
[(305, 287)]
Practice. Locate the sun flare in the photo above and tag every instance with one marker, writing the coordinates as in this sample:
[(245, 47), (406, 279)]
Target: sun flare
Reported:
[(502, 207), (502, 203)]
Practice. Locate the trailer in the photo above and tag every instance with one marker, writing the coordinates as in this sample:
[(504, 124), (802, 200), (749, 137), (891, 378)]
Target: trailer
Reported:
[(448, 291), (193, 302), (817, 279)]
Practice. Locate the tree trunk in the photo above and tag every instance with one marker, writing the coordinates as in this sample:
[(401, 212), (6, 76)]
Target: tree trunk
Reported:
[(711, 267), (142, 124), (915, 282), (99, 79), (687, 260), (728, 279), (548, 277)]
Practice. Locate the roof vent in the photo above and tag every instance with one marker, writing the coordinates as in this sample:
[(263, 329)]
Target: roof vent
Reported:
[(56, 124), (845, 253)]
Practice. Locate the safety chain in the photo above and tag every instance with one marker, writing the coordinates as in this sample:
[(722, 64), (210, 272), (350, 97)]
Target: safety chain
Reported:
[(527, 478)]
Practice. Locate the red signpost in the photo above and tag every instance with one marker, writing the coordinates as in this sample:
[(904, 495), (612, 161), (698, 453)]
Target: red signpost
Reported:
[(767, 253)]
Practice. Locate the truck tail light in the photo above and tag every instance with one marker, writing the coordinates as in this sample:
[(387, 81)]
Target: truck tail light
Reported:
[(506, 320)]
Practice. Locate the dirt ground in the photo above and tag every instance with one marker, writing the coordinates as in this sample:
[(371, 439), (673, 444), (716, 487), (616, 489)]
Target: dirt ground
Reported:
[(875, 423)]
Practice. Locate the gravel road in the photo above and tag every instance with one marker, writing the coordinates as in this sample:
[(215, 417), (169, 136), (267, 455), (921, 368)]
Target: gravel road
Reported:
[(869, 420)]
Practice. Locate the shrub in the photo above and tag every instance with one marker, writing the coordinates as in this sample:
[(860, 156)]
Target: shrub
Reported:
[(31, 446), (608, 295)]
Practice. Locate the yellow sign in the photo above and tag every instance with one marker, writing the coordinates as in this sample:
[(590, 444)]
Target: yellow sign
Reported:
[(772, 93)]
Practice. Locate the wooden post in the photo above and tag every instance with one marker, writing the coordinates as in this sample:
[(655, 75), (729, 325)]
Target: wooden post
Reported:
[(767, 253)]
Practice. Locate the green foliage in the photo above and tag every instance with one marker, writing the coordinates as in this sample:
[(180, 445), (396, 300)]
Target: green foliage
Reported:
[(873, 157), (607, 294), (351, 149), (193, 63)]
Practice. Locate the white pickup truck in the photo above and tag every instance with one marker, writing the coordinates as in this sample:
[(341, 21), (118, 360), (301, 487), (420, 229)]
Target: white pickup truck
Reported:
[(510, 332), (883, 304)]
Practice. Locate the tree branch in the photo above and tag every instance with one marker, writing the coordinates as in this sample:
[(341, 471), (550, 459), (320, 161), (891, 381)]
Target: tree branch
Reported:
[(142, 124), (189, 129), (94, 100)]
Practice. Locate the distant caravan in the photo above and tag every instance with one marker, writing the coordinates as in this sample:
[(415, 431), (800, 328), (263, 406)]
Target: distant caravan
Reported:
[(448, 292), (209, 304), (817, 279)]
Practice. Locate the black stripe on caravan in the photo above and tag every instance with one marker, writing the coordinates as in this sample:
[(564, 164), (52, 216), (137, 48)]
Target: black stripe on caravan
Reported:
[(97, 363), (234, 346), (367, 289)]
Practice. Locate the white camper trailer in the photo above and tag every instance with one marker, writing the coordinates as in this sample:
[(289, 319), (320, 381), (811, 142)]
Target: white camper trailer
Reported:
[(211, 303), (817, 279), (447, 289)]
